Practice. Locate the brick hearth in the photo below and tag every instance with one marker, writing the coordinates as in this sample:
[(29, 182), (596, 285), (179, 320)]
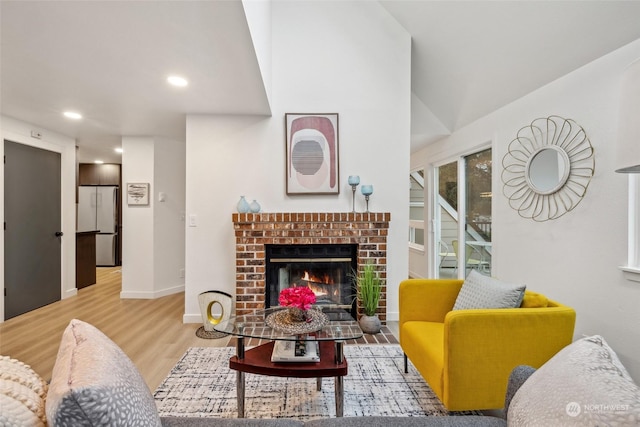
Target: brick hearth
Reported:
[(253, 231)]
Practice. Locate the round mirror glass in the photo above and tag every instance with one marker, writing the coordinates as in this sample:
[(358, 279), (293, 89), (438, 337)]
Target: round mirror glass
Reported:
[(547, 170)]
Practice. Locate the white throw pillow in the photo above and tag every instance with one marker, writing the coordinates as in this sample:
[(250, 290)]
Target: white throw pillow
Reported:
[(22, 394), (479, 291), (583, 384)]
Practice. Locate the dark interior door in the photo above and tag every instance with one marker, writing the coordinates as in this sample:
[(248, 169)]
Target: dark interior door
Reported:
[(32, 238)]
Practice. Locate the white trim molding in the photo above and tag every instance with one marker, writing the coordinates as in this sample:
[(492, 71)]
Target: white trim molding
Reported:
[(631, 273), (632, 269)]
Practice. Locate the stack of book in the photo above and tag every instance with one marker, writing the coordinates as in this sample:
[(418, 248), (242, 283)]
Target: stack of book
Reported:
[(295, 350)]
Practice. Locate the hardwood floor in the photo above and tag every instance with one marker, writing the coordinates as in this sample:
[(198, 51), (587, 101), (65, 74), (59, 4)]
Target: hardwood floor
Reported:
[(150, 332)]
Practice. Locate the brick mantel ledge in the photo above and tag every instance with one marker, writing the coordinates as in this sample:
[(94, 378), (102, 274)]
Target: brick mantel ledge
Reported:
[(253, 231)]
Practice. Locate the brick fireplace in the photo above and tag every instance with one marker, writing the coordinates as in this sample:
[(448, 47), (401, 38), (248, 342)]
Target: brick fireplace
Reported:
[(253, 231)]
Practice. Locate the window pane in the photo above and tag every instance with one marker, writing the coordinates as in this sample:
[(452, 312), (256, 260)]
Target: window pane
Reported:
[(478, 211), (416, 208), (447, 219), (448, 183), (416, 196)]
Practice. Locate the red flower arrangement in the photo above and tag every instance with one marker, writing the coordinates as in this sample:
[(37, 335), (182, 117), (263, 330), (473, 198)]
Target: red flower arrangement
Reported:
[(300, 297)]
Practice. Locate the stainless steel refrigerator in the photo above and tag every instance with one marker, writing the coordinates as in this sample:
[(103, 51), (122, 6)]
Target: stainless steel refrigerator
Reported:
[(98, 210)]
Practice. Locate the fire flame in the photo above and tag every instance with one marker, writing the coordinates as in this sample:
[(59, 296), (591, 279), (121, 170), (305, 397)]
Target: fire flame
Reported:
[(321, 285), (325, 279)]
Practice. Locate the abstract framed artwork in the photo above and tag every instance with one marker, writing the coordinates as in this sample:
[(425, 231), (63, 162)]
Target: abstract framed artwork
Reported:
[(312, 153), (138, 193)]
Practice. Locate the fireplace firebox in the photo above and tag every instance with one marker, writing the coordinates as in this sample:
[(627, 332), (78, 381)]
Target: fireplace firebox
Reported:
[(325, 269)]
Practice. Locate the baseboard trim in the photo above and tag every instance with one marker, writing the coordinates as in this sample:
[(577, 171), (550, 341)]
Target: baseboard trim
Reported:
[(151, 295), (191, 318)]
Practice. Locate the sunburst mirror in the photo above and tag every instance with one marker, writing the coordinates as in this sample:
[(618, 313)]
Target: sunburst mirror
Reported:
[(547, 168)]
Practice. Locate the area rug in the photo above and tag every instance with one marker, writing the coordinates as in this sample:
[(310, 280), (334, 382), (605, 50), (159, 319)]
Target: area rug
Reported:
[(202, 385)]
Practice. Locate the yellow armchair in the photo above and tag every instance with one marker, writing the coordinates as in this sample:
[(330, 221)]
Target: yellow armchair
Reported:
[(466, 355)]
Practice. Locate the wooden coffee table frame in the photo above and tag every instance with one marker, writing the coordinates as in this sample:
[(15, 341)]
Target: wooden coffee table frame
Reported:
[(258, 361)]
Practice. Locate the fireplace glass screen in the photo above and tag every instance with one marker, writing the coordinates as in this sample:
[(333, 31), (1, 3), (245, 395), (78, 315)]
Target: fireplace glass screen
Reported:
[(325, 269)]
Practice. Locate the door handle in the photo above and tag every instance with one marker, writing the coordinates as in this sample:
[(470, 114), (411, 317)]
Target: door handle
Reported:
[(59, 233)]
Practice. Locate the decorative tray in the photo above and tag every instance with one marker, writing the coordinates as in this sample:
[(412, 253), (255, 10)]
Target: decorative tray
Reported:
[(282, 321)]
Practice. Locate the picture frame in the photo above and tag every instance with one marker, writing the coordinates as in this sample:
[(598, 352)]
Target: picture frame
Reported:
[(138, 193), (312, 154)]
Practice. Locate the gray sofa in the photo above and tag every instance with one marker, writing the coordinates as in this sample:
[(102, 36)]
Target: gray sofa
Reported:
[(95, 384), (456, 421)]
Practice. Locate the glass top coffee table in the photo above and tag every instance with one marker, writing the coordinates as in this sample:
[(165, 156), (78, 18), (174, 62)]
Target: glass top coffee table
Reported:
[(306, 349)]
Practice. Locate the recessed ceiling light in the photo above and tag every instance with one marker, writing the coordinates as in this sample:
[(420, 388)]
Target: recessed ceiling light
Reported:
[(118, 150), (72, 115), (98, 162), (177, 81)]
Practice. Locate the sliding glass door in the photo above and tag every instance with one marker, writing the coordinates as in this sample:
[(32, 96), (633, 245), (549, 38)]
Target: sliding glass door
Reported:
[(462, 215)]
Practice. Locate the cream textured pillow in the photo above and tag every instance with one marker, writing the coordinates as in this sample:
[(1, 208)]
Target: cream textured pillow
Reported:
[(583, 384), (94, 383), (22, 394), (479, 291)]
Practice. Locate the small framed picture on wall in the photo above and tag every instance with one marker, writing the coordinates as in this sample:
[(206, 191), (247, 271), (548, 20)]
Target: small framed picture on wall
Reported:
[(138, 193), (312, 153)]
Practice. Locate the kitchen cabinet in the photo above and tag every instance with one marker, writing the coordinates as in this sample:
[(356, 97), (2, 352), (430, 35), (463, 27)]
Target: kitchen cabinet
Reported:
[(92, 174), (85, 258)]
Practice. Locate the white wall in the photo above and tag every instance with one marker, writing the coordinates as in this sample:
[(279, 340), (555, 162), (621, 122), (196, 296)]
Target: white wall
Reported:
[(168, 225), (20, 132), (575, 258), (137, 221), (153, 235), (258, 15), (351, 59)]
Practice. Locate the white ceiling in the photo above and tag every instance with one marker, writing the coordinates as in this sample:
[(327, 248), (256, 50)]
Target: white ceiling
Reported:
[(109, 60), (470, 58)]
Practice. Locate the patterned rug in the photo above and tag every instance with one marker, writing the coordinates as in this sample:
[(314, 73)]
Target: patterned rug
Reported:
[(202, 385)]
